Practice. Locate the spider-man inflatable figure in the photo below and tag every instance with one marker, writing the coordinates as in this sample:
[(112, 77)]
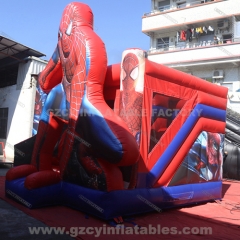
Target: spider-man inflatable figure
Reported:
[(75, 109), (131, 104)]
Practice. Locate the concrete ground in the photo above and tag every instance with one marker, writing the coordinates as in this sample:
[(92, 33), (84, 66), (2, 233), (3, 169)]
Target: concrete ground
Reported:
[(14, 223)]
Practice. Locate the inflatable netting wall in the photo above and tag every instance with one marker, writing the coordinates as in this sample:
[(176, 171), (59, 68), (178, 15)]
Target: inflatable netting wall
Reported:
[(231, 160), (118, 140)]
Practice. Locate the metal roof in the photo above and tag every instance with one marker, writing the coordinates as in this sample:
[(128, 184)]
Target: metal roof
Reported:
[(12, 52)]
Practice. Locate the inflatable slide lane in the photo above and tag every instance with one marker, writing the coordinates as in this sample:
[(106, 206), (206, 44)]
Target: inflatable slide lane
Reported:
[(112, 139)]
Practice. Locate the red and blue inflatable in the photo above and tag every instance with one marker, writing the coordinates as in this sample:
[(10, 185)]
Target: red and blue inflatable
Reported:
[(122, 139)]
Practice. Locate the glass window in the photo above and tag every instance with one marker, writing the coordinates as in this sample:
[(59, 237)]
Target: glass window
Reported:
[(181, 5), (227, 38), (8, 76), (163, 5), (163, 43)]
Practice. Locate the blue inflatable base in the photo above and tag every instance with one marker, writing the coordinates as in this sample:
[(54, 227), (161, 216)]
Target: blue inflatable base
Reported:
[(36, 198), (107, 205)]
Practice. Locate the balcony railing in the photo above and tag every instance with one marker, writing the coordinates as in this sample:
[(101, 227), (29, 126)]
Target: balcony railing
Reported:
[(164, 8), (184, 5), (186, 45), (193, 3), (164, 46), (158, 10)]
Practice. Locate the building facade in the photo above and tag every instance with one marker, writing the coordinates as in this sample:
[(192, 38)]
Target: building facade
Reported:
[(199, 37), (19, 66)]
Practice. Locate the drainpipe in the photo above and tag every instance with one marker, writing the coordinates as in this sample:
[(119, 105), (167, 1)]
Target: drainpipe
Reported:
[(33, 92)]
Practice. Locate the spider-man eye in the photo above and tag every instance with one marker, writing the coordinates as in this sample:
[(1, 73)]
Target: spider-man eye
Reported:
[(59, 34), (69, 29), (215, 146), (134, 73)]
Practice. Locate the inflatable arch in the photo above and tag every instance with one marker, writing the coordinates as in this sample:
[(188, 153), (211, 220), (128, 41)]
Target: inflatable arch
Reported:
[(120, 140)]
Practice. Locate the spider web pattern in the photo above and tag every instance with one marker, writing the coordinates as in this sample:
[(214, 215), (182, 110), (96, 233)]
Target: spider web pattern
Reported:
[(133, 112), (42, 129), (73, 57), (43, 75)]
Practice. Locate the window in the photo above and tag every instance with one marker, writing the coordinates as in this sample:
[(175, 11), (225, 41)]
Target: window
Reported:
[(163, 43), (237, 31), (164, 5), (227, 38), (3, 122), (181, 5), (8, 76)]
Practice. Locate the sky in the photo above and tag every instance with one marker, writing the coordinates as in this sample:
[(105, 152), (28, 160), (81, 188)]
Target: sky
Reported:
[(35, 23)]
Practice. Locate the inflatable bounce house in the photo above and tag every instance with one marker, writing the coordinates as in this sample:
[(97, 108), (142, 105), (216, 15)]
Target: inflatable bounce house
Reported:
[(123, 139)]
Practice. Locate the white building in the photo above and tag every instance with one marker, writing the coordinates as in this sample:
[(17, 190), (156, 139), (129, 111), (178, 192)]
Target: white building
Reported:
[(182, 36), (19, 66)]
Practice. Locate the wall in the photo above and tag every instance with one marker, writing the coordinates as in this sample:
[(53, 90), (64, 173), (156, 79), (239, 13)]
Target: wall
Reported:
[(19, 99), (231, 76), (197, 54)]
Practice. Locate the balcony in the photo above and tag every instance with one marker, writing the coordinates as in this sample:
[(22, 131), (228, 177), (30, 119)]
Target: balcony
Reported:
[(181, 5), (174, 19), (193, 3), (198, 52), (164, 47)]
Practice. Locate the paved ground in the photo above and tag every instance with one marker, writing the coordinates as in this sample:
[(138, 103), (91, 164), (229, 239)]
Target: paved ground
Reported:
[(14, 223)]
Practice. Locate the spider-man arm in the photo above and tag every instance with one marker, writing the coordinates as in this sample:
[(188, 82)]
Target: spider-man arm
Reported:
[(77, 91), (52, 74)]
